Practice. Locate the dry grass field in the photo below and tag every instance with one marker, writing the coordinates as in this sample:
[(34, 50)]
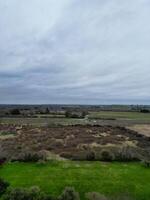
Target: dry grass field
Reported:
[(73, 142), (141, 128)]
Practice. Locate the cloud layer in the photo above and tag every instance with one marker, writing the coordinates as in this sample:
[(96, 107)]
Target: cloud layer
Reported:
[(72, 51)]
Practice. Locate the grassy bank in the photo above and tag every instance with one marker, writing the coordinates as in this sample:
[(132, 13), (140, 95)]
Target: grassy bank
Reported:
[(109, 179)]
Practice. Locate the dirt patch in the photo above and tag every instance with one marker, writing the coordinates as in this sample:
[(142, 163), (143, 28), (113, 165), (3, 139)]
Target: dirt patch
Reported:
[(142, 129)]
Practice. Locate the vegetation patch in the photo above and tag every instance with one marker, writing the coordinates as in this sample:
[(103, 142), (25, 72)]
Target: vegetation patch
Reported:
[(6, 133), (110, 180), (73, 142)]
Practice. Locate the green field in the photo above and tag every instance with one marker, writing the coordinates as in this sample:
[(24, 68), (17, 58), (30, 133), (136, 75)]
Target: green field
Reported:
[(102, 117), (41, 121), (107, 178), (120, 118), (120, 115)]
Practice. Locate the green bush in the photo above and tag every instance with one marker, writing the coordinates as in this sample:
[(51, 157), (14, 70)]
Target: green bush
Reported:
[(31, 157), (15, 112), (69, 194), (90, 156), (3, 186), (128, 153), (106, 155), (33, 193), (75, 114), (146, 163)]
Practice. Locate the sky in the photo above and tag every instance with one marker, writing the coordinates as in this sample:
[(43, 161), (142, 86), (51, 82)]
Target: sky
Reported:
[(74, 52)]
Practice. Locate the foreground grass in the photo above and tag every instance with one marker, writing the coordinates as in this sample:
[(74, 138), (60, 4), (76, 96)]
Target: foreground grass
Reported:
[(109, 179)]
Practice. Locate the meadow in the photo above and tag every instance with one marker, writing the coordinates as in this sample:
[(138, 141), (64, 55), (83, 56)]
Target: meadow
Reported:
[(101, 118), (111, 179), (120, 115), (41, 121)]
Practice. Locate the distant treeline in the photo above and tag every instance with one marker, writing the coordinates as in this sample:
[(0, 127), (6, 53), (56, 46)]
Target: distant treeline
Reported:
[(33, 110)]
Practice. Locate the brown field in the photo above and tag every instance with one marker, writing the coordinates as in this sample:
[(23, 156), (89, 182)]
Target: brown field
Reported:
[(141, 128), (73, 142)]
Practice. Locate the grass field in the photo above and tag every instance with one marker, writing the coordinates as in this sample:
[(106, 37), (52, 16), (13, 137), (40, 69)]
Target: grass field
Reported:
[(120, 115), (106, 178), (41, 121), (102, 118)]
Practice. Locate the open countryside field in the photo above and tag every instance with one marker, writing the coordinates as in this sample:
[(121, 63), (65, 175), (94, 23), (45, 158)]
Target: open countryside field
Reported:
[(111, 179), (120, 115), (101, 118), (73, 142), (41, 121), (91, 154)]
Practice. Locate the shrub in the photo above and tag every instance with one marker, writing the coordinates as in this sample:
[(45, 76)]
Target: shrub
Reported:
[(3, 186), (31, 157), (15, 112), (2, 161), (90, 156), (75, 114), (67, 155), (33, 193), (95, 196), (145, 111), (128, 153), (41, 162), (106, 155), (67, 114), (69, 194), (79, 155), (4, 133), (146, 163)]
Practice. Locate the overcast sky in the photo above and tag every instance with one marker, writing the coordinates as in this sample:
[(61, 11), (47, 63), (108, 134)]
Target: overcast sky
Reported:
[(75, 51)]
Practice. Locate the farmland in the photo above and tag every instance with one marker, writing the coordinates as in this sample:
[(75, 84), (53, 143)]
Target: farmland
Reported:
[(40, 121), (98, 152), (119, 115), (121, 118)]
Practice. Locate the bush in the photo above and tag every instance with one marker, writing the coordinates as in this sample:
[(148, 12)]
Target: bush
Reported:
[(146, 163), (41, 162), (145, 111), (75, 114), (3, 186), (106, 156), (95, 196), (69, 194), (15, 112), (128, 153), (33, 193), (31, 157), (2, 161), (90, 156)]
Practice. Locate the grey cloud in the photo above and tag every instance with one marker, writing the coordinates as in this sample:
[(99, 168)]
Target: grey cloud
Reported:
[(71, 51)]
